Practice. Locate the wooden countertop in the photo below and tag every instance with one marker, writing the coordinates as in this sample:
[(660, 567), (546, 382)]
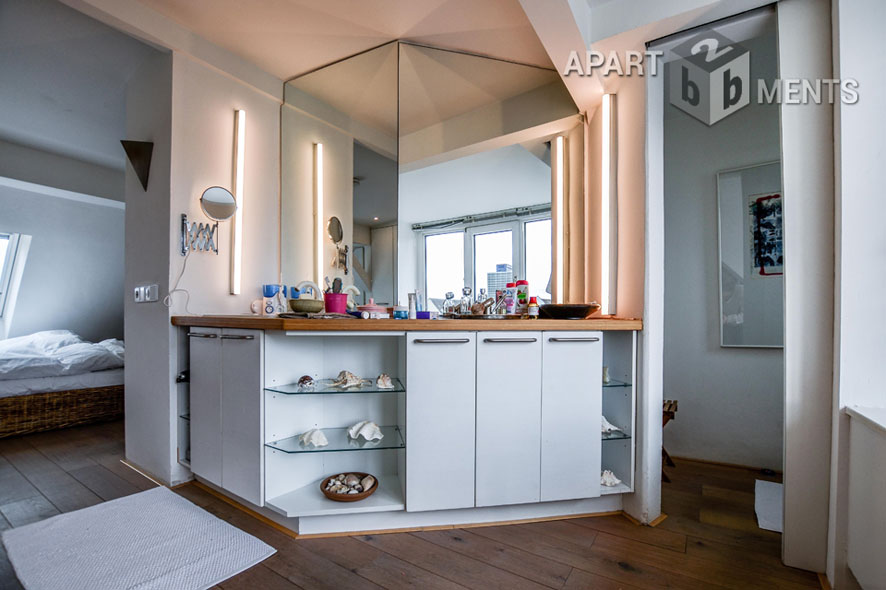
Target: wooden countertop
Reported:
[(252, 322)]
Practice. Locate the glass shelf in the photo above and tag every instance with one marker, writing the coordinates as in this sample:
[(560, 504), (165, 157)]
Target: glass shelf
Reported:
[(340, 441), (324, 386), (615, 435), (616, 383)]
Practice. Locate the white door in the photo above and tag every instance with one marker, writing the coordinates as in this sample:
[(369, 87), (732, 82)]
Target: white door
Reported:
[(571, 409), (440, 398), (242, 412), (508, 417), (205, 391)]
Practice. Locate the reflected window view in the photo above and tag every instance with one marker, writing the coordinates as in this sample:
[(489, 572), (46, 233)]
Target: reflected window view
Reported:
[(445, 263), (537, 254), (493, 261)]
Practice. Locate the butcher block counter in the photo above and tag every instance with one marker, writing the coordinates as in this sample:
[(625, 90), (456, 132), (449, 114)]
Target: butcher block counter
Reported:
[(252, 322)]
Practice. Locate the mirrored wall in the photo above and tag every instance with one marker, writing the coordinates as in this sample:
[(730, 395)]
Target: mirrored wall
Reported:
[(437, 165)]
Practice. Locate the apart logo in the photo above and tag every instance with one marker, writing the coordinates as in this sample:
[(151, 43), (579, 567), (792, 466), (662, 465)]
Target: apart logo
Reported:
[(712, 79)]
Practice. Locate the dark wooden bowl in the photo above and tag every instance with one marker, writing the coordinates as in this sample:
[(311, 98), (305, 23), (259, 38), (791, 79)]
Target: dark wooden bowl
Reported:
[(349, 497), (569, 311)]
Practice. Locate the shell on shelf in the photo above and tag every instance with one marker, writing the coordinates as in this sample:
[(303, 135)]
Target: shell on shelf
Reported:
[(346, 380), (314, 437), (609, 427), (606, 375), (384, 381), (367, 482), (367, 429), (608, 479), (306, 382)]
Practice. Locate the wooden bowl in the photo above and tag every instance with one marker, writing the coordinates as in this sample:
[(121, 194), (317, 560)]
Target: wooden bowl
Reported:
[(349, 497), (306, 305)]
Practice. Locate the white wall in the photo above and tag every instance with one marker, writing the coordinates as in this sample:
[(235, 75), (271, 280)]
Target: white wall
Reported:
[(860, 246), (73, 276), (489, 181), (730, 398)]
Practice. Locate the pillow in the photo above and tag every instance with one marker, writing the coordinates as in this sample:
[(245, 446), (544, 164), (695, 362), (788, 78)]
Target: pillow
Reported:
[(39, 342), (85, 357)]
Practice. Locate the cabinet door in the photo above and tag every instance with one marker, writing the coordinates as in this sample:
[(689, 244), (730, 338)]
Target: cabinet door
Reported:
[(242, 413), (440, 397), (508, 417), (571, 409), (205, 391)]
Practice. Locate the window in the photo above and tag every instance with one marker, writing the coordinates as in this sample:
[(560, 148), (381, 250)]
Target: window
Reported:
[(487, 256), (8, 248)]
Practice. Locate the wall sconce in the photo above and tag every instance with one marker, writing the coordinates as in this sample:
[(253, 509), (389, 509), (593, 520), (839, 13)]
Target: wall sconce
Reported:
[(558, 179), (609, 206), (237, 225), (318, 213)]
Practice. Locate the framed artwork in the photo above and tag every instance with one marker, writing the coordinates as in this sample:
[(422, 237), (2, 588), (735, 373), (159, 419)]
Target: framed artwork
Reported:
[(751, 256)]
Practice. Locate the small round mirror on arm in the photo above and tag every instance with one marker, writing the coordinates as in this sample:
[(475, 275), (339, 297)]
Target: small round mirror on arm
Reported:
[(335, 230), (218, 203)]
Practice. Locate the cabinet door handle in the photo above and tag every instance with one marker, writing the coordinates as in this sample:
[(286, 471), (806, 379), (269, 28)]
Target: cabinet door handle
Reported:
[(509, 340), (199, 335), (442, 340), (562, 339), (237, 337)]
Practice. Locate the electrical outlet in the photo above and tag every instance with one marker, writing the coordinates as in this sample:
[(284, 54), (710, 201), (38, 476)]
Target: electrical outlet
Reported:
[(139, 294), (151, 292)]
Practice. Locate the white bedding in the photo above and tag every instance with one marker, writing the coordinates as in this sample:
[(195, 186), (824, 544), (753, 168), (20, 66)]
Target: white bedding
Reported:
[(56, 353), (12, 387)]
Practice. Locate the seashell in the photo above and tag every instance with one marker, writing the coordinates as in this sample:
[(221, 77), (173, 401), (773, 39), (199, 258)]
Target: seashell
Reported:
[(353, 492), (608, 479), (306, 382), (367, 429), (367, 482), (340, 476), (314, 437), (606, 375), (384, 381), (608, 427), (351, 480), (346, 380)]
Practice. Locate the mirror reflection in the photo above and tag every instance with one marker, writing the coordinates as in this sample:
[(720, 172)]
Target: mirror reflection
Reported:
[(218, 203), (437, 165)]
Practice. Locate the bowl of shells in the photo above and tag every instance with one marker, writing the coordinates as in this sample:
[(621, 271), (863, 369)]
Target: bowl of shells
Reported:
[(349, 487)]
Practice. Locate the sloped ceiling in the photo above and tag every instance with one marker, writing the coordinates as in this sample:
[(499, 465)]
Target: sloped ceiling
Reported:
[(290, 37)]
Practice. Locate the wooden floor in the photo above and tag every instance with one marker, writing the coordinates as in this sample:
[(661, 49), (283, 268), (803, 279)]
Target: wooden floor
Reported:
[(710, 539)]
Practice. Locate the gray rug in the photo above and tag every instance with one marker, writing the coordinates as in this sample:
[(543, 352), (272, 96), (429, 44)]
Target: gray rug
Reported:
[(154, 540)]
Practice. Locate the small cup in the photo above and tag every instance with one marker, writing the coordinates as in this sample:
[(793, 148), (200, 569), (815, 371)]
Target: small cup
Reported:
[(336, 302)]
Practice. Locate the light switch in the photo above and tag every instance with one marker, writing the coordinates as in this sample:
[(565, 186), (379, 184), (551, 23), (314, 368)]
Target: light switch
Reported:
[(152, 292)]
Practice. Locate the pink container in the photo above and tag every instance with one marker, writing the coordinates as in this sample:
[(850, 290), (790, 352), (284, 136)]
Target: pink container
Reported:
[(336, 302)]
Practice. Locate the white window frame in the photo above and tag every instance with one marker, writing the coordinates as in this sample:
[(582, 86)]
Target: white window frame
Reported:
[(6, 269), (517, 226)]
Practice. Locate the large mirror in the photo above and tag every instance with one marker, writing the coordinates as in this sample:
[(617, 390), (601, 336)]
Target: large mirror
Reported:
[(438, 166)]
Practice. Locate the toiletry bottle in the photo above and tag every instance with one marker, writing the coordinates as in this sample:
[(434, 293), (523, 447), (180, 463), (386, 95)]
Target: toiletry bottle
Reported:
[(511, 298), (522, 296), (532, 309), (412, 306)]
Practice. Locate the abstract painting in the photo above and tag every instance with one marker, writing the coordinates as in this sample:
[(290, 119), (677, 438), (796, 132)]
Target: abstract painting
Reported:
[(765, 240)]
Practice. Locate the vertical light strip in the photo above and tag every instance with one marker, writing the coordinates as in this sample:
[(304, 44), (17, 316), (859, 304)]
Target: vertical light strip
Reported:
[(318, 213), (605, 188), (559, 227), (237, 226)]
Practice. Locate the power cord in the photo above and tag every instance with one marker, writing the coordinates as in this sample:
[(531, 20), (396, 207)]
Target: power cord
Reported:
[(167, 301)]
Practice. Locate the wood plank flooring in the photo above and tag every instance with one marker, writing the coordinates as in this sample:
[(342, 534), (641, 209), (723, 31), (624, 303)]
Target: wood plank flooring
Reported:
[(709, 540)]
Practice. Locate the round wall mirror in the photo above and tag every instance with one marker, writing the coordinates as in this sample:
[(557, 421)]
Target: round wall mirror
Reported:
[(334, 229), (218, 203)]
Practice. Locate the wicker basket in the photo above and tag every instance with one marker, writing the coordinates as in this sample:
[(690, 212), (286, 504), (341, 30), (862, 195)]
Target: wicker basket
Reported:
[(36, 412)]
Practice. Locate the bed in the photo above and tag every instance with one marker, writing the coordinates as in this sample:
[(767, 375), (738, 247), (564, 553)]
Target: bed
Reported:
[(55, 379)]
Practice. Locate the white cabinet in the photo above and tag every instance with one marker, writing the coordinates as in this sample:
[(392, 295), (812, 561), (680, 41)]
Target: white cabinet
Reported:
[(570, 415), (508, 451), (205, 404), (227, 409), (440, 420)]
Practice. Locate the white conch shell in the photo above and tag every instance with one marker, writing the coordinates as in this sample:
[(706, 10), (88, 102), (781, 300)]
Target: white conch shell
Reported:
[(605, 374), (384, 381), (367, 429), (314, 437), (346, 380), (608, 427), (608, 479)]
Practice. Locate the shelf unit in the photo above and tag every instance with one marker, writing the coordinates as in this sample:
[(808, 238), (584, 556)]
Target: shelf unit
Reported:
[(619, 408), (293, 472)]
